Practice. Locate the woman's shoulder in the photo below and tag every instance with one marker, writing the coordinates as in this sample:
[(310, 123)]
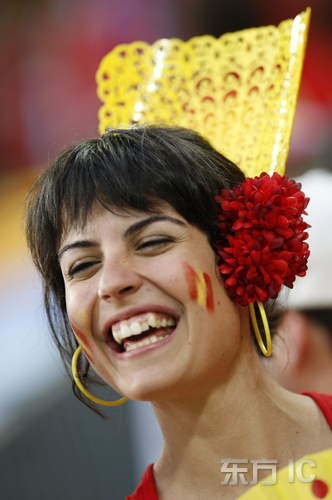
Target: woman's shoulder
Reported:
[(146, 490), (324, 401)]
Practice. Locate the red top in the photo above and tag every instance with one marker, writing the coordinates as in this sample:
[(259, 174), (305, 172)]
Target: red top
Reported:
[(146, 490), (324, 402)]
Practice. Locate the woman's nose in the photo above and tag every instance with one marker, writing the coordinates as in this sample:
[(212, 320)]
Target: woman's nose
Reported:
[(118, 280)]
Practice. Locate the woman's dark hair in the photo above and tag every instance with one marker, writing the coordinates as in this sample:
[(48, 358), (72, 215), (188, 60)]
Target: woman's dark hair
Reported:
[(125, 170)]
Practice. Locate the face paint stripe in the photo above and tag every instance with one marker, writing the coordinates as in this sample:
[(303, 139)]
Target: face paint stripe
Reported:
[(191, 278), (209, 292), (85, 348), (87, 354), (84, 343), (82, 337), (201, 288), (84, 319), (87, 351)]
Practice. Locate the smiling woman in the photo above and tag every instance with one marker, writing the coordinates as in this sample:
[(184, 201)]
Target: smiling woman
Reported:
[(154, 248), (129, 238)]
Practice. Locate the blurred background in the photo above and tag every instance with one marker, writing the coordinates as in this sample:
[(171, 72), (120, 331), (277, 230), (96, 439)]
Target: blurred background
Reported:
[(51, 446)]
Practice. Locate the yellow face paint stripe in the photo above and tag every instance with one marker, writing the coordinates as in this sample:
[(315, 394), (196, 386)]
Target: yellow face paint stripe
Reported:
[(83, 318), (201, 288)]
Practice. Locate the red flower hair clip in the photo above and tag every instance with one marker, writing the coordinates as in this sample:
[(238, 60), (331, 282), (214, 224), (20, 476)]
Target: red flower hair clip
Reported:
[(263, 233)]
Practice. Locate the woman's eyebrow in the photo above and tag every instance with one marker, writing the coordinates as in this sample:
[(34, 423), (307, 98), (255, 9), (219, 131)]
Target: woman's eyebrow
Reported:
[(133, 229), (138, 226), (77, 244)]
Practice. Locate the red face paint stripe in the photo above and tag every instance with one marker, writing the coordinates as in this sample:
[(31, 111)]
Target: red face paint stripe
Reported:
[(82, 337), (191, 278), (209, 292)]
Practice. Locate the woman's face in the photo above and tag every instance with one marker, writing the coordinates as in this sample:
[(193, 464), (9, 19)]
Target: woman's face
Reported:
[(146, 303)]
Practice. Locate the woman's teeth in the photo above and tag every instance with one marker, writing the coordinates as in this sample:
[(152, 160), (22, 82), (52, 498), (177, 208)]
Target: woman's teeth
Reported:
[(137, 326), (149, 340)]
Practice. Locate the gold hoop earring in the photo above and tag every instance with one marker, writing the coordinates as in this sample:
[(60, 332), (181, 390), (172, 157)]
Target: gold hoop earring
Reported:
[(82, 388), (268, 349)]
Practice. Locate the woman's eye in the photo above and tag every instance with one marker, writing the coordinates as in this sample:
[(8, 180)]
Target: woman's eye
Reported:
[(78, 268), (158, 242)]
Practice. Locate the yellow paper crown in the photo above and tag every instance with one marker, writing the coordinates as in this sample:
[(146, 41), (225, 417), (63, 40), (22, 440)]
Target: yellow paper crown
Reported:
[(239, 91)]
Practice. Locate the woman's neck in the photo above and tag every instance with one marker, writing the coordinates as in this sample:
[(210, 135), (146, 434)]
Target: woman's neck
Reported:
[(249, 417)]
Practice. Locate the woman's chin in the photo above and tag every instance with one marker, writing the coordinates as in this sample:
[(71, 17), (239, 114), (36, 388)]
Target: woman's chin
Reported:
[(153, 385)]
